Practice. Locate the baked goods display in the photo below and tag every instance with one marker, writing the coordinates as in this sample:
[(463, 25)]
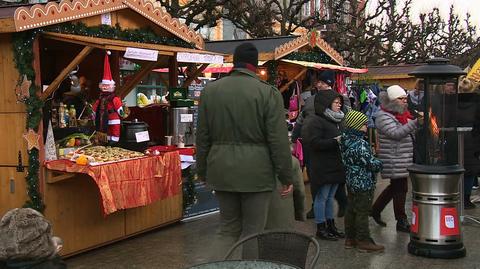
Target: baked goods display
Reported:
[(101, 154)]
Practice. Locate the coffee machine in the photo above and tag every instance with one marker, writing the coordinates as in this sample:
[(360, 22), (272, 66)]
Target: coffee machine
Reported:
[(184, 126)]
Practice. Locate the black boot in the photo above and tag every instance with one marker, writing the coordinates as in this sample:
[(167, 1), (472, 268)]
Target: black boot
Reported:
[(403, 225), (333, 229), (323, 233), (378, 220)]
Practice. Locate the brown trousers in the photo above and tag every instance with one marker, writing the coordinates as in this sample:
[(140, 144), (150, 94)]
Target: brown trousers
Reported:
[(397, 190)]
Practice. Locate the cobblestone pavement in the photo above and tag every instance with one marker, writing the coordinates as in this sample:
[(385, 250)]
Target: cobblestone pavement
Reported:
[(184, 244)]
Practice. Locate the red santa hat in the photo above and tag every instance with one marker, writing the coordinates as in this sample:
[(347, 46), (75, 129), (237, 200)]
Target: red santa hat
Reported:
[(107, 73)]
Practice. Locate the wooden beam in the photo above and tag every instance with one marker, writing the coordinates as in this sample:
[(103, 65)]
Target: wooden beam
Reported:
[(119, 44), (193, 76), (164, 81), (36, 64), (285, 87), (7, 25), (173, 72), (58, 80), (136, 79)]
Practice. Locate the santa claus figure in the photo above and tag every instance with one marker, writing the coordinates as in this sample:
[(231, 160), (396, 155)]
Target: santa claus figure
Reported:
[(108, 108)]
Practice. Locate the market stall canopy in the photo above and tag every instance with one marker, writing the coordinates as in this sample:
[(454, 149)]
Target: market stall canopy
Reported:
[(328, 66), (183, 54), (142, 51), (275, 48), (17, 19)]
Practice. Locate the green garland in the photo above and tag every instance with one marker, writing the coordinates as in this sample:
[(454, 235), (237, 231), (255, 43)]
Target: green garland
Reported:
[(315, 56), (23, 56), (189, 193), (145, 35)]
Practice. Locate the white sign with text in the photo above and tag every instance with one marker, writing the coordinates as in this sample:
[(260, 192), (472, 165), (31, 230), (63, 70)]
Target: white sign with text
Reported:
[(142, 136), (107, 19), (141, 54), (187, 57), (186, 117)]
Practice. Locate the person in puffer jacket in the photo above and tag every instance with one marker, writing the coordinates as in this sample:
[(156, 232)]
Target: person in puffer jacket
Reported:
[(360, 168), (395, 127)]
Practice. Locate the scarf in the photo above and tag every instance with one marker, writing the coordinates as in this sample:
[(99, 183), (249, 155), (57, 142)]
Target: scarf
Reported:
[(403, 117), (334, 116)]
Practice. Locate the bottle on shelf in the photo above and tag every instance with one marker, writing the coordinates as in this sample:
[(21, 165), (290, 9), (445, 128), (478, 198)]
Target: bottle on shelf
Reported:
[(61, 116), (54, 119), (72, 114), (66, 115)]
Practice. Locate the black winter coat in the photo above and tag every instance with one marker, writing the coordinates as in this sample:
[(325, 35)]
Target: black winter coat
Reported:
[(468, 115), (318, 134)]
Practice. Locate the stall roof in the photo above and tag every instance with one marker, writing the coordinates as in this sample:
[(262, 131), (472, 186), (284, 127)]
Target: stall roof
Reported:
[(275, 48), (119, 45), (264, 45), (328, 66), (391, 71), (40, 15)]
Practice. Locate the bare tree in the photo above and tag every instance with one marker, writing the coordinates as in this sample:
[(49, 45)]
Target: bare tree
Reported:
[(197, 13)]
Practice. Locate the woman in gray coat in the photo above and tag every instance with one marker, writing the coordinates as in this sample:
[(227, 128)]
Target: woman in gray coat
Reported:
[(395, 126)]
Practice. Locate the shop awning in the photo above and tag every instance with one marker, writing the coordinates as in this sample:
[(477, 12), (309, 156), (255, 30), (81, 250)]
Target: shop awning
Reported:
[(327, 66), (119, 45)]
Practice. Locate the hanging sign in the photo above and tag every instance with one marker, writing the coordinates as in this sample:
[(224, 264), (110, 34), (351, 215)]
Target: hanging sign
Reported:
[(141, 54), (449, 224), (187, 57), (107, 19)]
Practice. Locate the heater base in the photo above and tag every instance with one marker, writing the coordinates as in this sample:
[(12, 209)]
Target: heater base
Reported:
[(436, 251)]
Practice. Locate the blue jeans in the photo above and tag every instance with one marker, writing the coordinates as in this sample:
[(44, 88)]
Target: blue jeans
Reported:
[(323, 204)]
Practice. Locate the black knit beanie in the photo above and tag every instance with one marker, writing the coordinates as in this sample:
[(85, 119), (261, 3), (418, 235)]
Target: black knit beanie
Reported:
[(246, 53)]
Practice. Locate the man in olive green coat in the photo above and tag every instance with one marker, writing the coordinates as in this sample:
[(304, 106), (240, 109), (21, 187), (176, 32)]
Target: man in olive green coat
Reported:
[(242, 147)]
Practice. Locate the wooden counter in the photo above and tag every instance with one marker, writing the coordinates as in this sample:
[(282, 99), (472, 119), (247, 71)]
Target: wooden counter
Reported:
[(74, 207)]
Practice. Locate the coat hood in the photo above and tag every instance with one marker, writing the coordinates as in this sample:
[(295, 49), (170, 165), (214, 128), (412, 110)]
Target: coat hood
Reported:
[(323, 100)]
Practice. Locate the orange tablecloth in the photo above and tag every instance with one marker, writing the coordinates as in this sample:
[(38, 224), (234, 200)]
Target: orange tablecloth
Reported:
[(131, 183)]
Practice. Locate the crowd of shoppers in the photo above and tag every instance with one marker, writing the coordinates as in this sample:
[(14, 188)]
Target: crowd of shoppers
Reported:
[(243, 154)]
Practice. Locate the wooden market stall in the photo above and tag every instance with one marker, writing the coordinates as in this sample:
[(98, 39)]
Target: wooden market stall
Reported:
[(389, 75), (288, 56), (40, 46)]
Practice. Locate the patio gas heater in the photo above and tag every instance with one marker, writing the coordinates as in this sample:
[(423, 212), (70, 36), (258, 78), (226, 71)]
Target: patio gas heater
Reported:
[(436, 229)]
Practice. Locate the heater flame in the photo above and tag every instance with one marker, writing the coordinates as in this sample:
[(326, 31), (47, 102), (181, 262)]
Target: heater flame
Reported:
[(433, 124)]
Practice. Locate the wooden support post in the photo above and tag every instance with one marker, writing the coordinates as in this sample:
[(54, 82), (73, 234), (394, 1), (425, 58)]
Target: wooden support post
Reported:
[(136, 79), (173, 72), (58, 80), (193, 76), (285, 87)]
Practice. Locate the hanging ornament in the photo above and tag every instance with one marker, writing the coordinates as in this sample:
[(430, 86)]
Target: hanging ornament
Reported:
[(22, 90), (32, 139), (313, 38)]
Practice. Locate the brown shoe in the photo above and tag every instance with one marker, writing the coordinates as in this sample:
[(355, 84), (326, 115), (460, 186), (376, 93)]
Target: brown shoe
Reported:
[(350, 243), (369, 246)]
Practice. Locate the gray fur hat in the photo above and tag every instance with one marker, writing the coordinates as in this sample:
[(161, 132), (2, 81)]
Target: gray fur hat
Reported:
[(25, 234)]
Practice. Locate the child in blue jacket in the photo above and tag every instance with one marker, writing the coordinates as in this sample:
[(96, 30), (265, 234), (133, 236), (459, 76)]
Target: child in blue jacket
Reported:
[(361, 166)]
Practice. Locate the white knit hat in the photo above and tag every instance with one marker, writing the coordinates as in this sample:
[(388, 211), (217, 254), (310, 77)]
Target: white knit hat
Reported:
[(395, 91)]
